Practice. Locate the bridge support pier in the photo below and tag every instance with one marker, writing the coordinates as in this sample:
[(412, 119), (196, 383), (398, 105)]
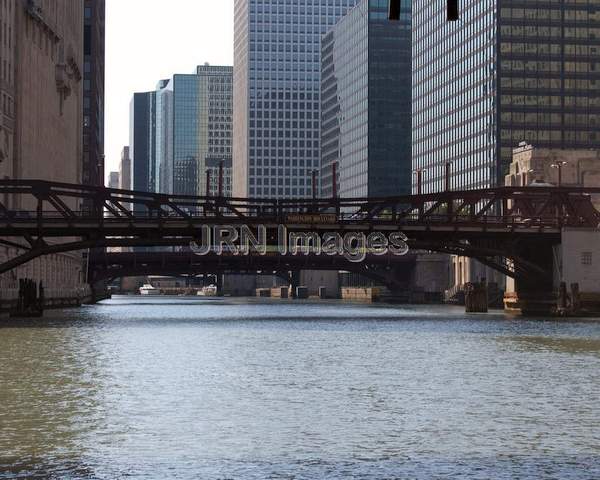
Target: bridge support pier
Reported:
[(535, 295), (295, 283), (220, 281)]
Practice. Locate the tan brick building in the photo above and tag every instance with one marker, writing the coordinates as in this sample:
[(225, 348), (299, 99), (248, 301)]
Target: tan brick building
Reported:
[(41, 116)]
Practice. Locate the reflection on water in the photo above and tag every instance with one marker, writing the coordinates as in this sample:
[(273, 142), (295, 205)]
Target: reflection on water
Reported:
[(564, 345), (206, 388)]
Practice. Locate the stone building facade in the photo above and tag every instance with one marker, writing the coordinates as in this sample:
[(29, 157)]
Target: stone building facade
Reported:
[(7, 86), (93, 92), (41, 133), (577, 258), (578, 167)]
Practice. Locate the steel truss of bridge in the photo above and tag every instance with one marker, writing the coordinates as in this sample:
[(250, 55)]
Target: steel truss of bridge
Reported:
[(505, 228)]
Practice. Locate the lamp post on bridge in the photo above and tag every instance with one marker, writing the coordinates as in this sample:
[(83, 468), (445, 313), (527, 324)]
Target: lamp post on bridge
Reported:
[(529, 173), (447, 175), (559, 165)]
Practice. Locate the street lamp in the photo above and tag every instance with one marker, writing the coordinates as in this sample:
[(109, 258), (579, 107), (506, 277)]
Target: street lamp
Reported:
[(527, 175), (394, 10), (559, 165)]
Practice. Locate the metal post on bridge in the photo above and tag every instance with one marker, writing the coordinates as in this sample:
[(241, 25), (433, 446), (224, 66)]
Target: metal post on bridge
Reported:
[(447, 175), (419, 173), (559, 165), (314, 191), (221, 179), (450, 204), (220, 189), (334, 194)]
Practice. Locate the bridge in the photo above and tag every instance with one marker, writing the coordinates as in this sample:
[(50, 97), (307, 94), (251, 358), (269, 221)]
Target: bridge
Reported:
[(510, 229)]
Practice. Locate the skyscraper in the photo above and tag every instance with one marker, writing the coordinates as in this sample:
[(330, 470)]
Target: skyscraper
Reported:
[(366, 103), (125, 170), (93, 92), (277, 81), (202, 125), (507, 72), (142, 141), (164, 137), (113, 180)]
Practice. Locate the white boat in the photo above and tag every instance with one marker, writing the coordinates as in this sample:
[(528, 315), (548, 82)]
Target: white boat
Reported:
[(210, 291), (148, 289)]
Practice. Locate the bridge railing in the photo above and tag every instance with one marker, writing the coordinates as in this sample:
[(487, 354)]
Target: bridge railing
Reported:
[(525, 206)]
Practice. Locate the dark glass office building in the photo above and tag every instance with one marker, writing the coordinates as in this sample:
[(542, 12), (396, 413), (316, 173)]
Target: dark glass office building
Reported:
[(142, 141), (366, 103), (277, 83), (508, 71)]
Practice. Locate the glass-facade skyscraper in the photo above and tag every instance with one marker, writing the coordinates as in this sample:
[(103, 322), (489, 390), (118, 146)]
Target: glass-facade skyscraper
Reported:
[(186, 149), (202, 126), (277, 82), (142, 141), (508, 71), (164, 137), (366, 103)]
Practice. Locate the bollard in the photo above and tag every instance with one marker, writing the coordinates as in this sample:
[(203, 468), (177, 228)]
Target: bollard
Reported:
[(575, 298), (476, 298)]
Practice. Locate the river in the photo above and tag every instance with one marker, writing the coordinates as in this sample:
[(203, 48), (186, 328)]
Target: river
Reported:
[(160, 388)]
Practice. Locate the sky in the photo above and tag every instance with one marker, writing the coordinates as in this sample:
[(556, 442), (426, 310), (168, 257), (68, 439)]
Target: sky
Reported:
[(148, 40)]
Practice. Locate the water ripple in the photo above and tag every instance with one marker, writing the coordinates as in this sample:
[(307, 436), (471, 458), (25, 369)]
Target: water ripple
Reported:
[(213, 389)]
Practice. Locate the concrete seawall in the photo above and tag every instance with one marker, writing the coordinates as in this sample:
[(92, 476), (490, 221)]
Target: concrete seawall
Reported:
[(55, 298)]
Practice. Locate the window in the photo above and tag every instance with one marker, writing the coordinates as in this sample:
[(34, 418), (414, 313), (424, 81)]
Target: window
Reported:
[(586, 258)]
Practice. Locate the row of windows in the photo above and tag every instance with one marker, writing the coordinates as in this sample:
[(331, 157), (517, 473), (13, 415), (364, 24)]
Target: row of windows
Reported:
[(263, 192), (545, 49), (283, 153), (258, 93), (285, 134), (538, 14), (290, 178)]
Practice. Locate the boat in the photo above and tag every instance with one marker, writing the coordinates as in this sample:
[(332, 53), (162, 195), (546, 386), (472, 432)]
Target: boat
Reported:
[(148, 289), (210, 291)]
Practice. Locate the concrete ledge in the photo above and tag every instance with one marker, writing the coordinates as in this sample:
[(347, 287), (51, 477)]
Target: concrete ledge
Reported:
[(361, 294), (280, 292)]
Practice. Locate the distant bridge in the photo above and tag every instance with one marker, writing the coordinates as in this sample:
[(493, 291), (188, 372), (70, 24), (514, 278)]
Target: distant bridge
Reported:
[(511, 229)]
